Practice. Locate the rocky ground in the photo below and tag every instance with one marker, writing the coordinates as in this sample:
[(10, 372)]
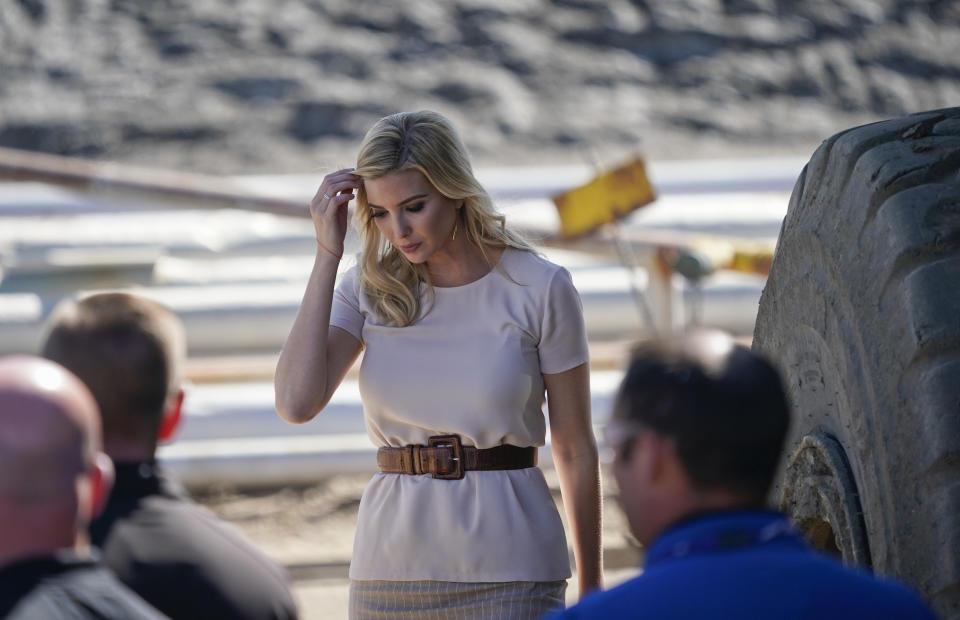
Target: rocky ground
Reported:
[(245, 86)]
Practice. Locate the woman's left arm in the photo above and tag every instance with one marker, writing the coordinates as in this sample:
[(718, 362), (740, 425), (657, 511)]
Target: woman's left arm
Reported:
[(578, 466)]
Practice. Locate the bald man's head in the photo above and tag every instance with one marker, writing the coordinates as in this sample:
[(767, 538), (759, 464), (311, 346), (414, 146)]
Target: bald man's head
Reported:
[(49, 428), (53, 477)]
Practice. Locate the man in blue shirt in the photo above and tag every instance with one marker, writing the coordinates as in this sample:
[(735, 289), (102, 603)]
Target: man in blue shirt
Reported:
[(698, 428)]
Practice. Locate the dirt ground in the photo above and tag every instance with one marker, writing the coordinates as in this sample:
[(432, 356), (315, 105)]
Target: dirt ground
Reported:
[(310, 531)]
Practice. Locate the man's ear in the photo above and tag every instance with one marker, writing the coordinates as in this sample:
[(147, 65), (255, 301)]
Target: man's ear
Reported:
[(101, 483), (171, 417), (655, 450)]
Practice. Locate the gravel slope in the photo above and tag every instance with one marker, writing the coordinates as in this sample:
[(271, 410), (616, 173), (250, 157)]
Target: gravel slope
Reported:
[(285, 86)]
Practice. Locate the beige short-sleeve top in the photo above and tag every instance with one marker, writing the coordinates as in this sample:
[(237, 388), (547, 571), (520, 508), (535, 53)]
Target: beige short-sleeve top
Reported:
[(472, 365)]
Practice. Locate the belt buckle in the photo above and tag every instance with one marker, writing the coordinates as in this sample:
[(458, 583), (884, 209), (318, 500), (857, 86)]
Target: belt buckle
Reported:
[(452, 442)]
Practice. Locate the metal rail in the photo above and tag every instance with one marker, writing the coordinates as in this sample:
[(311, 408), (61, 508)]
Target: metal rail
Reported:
[(265, 455), (121, 182)]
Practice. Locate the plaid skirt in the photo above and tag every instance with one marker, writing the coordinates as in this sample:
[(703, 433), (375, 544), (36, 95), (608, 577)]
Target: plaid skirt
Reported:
[(425, 600)]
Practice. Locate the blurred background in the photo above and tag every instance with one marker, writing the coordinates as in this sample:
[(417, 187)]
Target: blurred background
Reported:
[(247, 86), (724, 99)]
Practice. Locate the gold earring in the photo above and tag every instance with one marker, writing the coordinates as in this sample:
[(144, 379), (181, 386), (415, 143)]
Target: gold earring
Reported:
[(454, 237)]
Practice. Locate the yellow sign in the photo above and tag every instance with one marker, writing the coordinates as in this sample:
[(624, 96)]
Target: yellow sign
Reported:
[(752, 260), (713, 253), (610, 196)]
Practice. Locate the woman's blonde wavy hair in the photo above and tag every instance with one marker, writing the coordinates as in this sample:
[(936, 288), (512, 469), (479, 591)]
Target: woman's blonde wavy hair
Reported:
[(424, 141)]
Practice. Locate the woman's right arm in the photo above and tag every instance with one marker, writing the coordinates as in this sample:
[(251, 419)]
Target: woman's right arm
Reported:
[(316, 356)]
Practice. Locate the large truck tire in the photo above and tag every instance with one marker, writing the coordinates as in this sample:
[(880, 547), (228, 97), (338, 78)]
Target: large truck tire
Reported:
[(861, 312)]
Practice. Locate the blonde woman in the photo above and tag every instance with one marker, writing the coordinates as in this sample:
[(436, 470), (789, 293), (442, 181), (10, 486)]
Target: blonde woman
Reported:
[(464, 328)]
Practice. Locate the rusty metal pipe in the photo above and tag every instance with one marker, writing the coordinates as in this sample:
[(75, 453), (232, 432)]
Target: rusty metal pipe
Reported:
[(120, 181)]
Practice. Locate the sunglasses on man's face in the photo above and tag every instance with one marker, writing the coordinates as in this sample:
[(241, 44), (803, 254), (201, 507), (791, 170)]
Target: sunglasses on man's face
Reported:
[(618, 437)]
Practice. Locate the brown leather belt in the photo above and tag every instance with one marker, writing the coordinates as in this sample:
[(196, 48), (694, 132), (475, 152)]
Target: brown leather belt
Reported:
[(447, 459)]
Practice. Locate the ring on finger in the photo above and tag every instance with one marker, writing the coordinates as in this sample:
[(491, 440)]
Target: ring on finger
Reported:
[(327, 196)]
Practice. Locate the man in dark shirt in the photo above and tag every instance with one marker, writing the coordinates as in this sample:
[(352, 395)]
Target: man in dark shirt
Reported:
[(176, 555), (53, 480), (698, 427)]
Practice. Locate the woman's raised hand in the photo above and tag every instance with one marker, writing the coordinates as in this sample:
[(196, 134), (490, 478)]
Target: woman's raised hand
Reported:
[(329, 209)]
